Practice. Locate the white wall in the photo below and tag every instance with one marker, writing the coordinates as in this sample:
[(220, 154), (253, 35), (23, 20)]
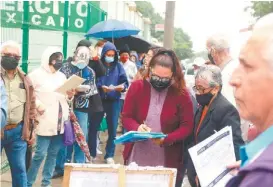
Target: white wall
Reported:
[(120, 10)]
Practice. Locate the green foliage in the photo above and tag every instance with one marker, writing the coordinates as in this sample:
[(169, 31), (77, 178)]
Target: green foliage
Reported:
[(261, 8), (147, 10), (182, 42)]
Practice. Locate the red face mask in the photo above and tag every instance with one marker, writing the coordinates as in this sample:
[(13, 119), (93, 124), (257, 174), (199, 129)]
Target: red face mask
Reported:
[(124, 59)]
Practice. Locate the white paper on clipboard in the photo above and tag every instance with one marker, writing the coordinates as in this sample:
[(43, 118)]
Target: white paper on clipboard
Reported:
[(72, 83), (211, 156)]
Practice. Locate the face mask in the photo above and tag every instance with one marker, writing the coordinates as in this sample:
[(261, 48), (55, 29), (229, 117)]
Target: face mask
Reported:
[(124, 59), (81, 65), (211, 59), (159, 84), (9, 62), (204, 99), (57, 65), (109, 59)]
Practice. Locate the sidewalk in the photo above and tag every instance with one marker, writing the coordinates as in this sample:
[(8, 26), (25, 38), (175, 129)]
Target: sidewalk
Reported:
[(6, 178)]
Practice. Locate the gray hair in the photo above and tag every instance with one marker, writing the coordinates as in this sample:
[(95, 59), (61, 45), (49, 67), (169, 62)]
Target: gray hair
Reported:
[(219, 41), (265, 25), (12, 44), (210, 73)]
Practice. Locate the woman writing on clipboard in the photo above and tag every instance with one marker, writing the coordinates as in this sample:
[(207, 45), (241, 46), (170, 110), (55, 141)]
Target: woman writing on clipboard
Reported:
[(159, 103)]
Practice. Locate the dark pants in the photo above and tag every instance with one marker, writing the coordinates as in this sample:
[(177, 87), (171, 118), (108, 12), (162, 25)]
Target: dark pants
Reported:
[(121, 108), (15, 149), (111, 109)]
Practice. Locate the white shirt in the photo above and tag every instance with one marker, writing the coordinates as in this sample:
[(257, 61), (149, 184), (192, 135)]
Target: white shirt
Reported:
[(227, 89), (131, 71)]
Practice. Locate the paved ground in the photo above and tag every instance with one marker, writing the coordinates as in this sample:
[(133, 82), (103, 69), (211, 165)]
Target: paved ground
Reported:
[(6, 177)]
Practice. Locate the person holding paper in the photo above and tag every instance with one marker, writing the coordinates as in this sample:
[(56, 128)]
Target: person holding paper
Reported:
[(53, 110), (79, 66), (215, 112), (110, 87), (252, 83), (159, 103)]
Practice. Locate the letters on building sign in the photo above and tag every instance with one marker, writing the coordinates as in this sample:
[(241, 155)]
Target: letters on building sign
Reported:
[(46, 14)]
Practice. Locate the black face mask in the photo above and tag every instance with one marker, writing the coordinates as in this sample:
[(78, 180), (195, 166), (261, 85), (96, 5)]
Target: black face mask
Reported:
[(57, 65), (9, 62), (159, 84), (211, 59), (204, 99)]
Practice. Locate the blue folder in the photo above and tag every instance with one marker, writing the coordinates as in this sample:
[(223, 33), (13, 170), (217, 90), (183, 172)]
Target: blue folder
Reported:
[(134, 136)]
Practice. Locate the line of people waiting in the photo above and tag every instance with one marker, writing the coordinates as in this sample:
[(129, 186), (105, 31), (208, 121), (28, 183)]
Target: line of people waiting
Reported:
[(156, 98)]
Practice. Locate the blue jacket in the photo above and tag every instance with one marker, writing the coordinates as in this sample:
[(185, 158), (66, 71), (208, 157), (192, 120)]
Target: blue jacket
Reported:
[(81, 101), (4, 98), (115, 75)]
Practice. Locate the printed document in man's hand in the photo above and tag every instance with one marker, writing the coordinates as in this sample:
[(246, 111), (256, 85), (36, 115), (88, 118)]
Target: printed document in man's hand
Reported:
[(72, 83), (211, 156)]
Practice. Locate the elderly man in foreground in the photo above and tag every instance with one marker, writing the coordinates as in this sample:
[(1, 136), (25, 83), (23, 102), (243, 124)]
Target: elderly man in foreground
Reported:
[(15, 135), (252, 81)]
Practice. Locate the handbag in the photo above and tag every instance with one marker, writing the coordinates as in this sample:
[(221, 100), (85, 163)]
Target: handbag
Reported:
[(69, 135)]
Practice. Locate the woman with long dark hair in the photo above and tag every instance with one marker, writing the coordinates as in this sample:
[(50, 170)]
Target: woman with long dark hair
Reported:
[(159, 103)]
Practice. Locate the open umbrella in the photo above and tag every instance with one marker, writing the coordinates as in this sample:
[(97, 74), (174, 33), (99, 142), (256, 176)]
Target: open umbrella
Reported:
[(135, 43), (112, 29)]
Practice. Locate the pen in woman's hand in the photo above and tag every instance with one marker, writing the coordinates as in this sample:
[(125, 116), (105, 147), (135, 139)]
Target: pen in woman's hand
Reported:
[(146, 128)]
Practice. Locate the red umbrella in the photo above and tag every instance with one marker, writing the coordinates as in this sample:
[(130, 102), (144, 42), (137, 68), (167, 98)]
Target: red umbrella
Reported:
[(79, 135)]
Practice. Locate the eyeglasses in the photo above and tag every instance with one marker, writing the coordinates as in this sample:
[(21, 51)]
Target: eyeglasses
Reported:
[(200, 90), (11, 55), (161, 79)]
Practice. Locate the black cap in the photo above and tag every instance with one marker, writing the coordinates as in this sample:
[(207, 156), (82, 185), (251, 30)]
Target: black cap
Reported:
[(125, 49), (85, 43)]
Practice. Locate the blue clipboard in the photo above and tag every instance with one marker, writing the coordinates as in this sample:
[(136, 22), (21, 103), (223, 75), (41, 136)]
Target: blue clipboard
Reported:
[(134, 136)]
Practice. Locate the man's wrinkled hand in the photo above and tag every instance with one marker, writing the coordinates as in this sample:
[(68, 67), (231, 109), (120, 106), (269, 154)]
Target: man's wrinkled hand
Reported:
[(235, 167)]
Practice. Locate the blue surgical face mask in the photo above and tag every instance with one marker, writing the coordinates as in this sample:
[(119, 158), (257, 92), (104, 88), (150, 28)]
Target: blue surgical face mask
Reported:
[(109, 59), (81, 65)]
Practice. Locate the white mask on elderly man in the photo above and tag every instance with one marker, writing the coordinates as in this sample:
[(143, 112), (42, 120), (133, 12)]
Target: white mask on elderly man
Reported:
[(81, 57)]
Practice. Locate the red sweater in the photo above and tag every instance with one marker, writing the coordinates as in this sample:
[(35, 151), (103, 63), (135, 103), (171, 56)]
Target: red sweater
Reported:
[(176, 119)]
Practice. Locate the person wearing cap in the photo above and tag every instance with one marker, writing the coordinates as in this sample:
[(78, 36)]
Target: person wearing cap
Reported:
[(129, 67), (198, 62)]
